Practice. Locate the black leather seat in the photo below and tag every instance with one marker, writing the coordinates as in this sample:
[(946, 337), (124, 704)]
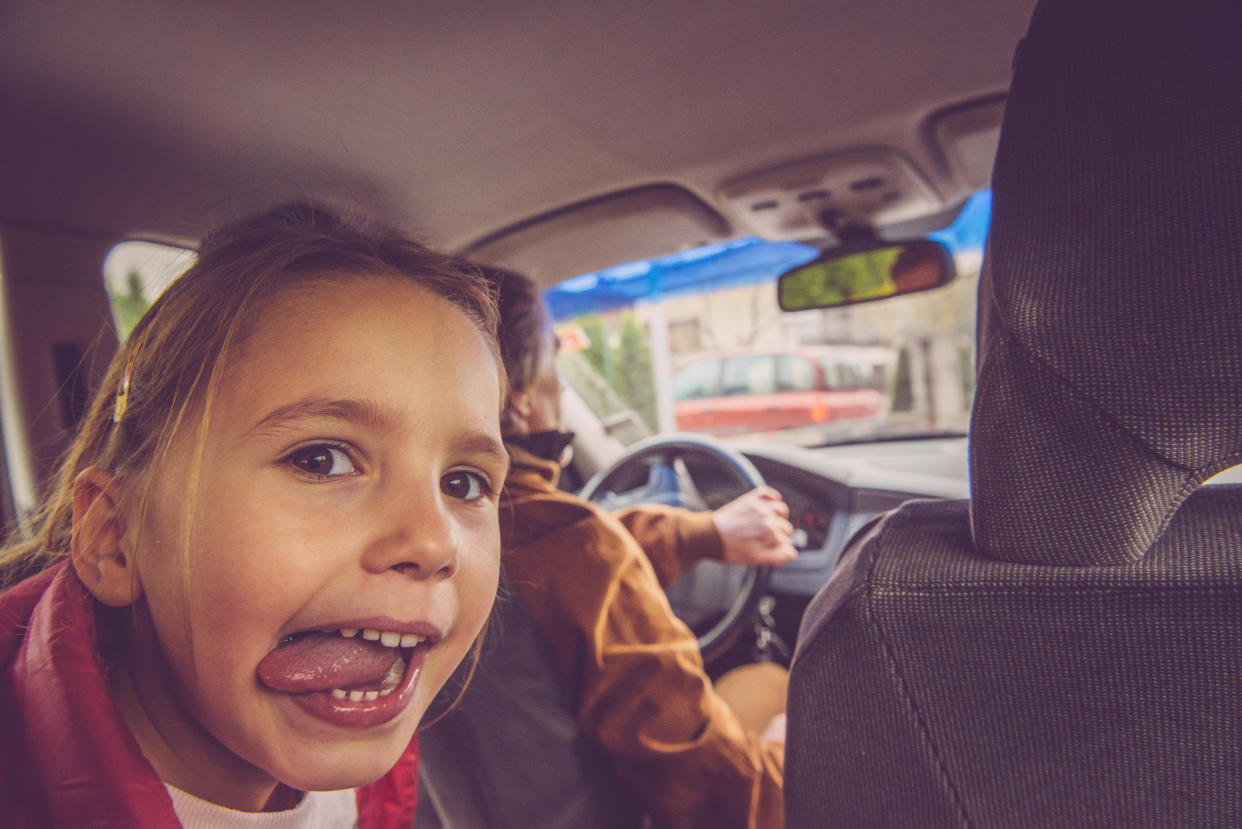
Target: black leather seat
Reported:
[(1065, 649)]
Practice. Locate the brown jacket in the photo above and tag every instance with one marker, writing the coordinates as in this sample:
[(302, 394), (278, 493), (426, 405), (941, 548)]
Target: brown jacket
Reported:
[(641, 689)]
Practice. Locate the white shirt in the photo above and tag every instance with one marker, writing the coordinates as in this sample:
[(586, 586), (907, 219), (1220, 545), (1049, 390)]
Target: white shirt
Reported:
[(316, 810)]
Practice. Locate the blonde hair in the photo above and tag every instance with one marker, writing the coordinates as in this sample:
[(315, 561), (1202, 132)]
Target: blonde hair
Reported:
[(170, 368)]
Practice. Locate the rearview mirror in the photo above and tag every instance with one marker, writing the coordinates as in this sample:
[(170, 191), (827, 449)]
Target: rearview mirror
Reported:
[(852, 274)]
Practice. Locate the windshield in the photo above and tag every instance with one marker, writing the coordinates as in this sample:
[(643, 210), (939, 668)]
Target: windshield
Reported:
[(695, 341)]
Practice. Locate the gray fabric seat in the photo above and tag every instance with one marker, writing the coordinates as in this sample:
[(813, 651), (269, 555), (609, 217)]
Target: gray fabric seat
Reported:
[(469, 775), (1066, 647)]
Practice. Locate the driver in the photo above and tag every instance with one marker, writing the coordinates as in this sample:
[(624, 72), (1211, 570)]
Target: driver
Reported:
[(641, 691)]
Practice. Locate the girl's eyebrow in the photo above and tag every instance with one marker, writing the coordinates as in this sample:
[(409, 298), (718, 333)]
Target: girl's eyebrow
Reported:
[(486, 446), (363, 412)]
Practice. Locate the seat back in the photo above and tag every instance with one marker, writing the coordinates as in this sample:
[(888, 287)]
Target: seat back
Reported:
[(468, 771), (1066, 647)]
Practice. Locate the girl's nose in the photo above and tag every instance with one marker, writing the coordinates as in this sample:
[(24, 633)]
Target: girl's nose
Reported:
[(420, 539)]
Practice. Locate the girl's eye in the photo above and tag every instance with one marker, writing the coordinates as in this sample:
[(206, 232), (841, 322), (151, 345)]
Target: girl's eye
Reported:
[(468, 486), (323, 461)]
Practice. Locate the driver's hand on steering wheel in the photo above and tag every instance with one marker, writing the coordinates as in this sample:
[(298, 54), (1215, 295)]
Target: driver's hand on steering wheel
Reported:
[(755, 530)]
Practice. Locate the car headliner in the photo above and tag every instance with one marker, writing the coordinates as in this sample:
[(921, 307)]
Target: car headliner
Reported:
[(158, 120)]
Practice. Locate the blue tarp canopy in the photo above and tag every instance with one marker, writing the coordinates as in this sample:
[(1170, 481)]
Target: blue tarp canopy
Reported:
[(724, 265), (709, 268)]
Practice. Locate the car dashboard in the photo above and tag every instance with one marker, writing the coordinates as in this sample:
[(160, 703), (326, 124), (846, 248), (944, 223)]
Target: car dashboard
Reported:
[(832, 492)]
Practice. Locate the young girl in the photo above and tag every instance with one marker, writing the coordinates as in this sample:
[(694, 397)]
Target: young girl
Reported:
[(271, 544)]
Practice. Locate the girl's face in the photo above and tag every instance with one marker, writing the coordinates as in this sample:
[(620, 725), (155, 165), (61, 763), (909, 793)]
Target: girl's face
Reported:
[(348, 486)]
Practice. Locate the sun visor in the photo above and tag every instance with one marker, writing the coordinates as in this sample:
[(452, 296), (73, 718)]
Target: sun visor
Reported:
[(589, 236), (966, 137)]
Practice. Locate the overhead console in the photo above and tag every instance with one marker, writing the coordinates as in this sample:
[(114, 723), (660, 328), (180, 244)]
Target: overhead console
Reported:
[(873, 186)]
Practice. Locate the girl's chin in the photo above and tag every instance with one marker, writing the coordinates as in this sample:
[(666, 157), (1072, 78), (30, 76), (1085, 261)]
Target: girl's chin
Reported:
[(328, 776), (337, 764)]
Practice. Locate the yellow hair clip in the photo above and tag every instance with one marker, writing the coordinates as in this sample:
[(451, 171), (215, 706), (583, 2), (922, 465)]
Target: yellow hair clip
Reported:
[(122, 396)]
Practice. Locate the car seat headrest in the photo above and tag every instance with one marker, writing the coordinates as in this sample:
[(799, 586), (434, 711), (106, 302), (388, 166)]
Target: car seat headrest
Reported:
[(1110, 329)]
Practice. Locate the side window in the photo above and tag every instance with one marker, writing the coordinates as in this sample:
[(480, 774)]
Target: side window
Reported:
[(135, 273), (795, 374), (697, 381), (754, 374)]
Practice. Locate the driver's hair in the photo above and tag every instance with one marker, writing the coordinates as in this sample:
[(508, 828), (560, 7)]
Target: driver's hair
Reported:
[(523, 321)]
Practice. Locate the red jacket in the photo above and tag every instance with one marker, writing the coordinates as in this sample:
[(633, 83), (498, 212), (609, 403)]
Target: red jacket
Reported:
[(67, 757)]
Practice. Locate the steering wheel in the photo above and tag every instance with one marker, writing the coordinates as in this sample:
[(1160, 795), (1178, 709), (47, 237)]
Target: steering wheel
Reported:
[(667, 482)]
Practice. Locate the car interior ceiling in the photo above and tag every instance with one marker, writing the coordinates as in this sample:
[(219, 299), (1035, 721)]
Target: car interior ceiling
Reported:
[(160, 138)]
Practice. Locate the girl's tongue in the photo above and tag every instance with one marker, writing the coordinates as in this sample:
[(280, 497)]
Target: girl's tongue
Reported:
[(324, 661)]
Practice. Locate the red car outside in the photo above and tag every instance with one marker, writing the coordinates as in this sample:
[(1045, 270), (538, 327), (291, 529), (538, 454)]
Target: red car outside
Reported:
[(773, 390)]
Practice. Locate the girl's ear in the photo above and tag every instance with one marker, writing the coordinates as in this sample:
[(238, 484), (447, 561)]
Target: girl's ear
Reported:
[(99, 550)]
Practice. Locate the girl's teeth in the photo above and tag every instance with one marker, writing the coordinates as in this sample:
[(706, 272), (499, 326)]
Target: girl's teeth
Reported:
[(387, 685), (360, 696), (387, 638), (393, 678)]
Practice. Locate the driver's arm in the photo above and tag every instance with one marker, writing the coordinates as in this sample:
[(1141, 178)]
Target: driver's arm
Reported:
[(640, 687), (673, 538), (752, 529)]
